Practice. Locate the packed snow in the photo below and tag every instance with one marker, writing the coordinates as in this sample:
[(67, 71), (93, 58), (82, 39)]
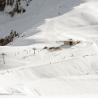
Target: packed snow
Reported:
[(28, 68)]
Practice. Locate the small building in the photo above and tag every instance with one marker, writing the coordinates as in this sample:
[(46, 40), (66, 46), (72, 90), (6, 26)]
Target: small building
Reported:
[(71, 42)]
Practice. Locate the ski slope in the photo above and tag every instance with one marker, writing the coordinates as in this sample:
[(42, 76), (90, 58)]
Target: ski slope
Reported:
[(39, 72)]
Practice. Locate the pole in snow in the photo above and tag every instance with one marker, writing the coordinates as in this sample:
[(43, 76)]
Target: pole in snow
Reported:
[(34, 50), (3, 57)]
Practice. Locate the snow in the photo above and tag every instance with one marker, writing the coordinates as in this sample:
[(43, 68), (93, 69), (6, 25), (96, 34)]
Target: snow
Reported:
[(70, 70)]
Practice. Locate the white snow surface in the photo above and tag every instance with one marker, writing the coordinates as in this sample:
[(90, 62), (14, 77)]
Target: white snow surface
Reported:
[(71, 70)]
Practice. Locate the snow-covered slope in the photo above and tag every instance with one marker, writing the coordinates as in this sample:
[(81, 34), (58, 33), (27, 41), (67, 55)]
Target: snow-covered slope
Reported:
[(36, 14), (31, 69)]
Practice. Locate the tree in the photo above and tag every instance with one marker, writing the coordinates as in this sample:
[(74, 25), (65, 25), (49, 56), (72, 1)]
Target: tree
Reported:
[(2, 4), (1, 41)]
